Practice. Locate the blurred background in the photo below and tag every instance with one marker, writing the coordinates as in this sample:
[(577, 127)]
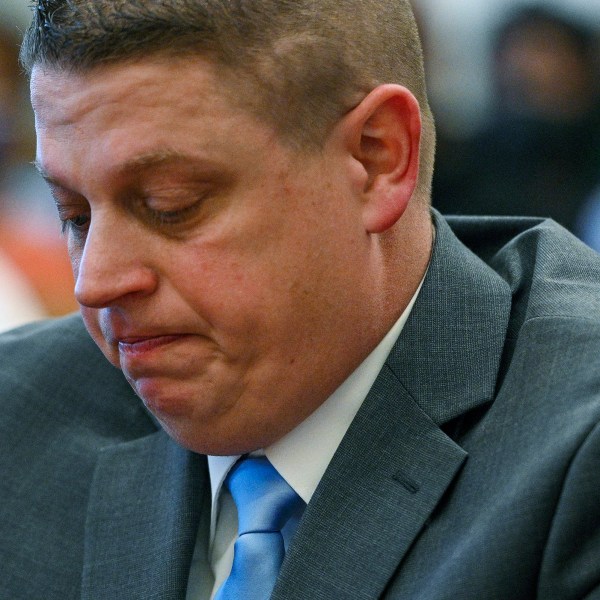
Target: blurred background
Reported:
[(35, 275), (515, 88)]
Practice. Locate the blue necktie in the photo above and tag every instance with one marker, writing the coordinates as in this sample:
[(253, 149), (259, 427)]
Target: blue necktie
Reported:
[(265, 502)]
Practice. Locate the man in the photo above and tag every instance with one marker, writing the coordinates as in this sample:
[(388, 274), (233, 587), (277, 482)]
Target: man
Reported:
[(244, 188)]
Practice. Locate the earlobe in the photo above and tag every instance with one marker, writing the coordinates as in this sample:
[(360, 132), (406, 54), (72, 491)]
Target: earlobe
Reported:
[(386, 139)]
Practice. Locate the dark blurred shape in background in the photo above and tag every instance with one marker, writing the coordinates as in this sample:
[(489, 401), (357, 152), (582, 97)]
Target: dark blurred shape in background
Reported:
[(539, 153)]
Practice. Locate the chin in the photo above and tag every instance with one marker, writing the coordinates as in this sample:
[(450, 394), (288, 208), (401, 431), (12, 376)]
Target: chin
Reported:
[(211, 440)]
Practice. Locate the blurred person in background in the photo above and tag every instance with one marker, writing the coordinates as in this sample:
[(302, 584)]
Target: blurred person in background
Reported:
[(35, 275), (539, 153)]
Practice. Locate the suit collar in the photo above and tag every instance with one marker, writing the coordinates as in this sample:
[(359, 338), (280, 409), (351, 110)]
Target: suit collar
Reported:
[(395, 463), (449, 353), (143, 516)]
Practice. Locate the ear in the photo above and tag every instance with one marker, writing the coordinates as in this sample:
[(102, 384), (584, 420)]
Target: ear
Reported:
[(383, 134)]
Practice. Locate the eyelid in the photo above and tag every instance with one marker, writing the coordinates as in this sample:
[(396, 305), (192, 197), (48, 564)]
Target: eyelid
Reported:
[(70, 226), (172, 203), (174, 216), (58, 191), (66, 209)]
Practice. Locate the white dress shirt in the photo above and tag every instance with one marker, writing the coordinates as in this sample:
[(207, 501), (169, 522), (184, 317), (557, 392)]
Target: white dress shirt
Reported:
[(301, 458)]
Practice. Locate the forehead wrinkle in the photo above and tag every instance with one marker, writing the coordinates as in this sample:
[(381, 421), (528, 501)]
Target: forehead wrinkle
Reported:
[(51, 108), (62, 98)]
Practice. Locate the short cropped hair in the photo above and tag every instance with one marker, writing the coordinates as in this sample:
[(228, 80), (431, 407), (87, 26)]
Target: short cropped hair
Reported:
[(309, 61)]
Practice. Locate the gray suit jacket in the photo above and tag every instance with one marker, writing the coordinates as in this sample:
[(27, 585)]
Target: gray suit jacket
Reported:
[(472, 470)]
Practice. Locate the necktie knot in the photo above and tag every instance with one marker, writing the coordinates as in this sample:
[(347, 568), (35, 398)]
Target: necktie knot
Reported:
[(264, 499), (265, 502)]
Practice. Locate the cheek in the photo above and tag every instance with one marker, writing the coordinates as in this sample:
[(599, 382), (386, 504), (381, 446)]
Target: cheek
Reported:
[(241, 296), (227, 295), (91, 318)]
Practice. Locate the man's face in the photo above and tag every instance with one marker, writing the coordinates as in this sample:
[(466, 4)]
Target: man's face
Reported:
[(219, 269)]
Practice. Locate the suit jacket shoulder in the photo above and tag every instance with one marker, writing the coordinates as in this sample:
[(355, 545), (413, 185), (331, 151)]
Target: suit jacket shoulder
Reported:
[(61, 404), (522, 519), (549, 271)]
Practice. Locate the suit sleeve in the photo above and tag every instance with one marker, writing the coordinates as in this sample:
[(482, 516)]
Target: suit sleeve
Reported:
[(571, 562)]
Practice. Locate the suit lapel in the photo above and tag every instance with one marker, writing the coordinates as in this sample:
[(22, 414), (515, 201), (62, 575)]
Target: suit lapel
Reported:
[(143, 516), (449, 353), (383, 483), (395, 463)]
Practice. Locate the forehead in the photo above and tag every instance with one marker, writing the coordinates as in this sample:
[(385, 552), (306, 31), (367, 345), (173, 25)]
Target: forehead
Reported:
[(115, 112), (59, 95)]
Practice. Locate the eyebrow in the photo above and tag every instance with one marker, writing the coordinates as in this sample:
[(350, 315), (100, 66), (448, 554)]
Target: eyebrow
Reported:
[(153, 159), (141, 162), (42, 171)]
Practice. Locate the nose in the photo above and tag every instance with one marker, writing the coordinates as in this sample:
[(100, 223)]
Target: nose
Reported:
[(112, 266)]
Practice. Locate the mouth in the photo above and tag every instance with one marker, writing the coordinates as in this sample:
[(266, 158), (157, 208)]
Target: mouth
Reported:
[(135, 346)]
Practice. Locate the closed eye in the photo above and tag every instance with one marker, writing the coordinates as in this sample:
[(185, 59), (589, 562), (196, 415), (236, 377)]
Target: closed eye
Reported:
[(172, 217), (79, 223)]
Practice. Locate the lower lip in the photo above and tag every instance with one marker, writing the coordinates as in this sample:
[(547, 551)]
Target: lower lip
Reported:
[(143, 346)]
